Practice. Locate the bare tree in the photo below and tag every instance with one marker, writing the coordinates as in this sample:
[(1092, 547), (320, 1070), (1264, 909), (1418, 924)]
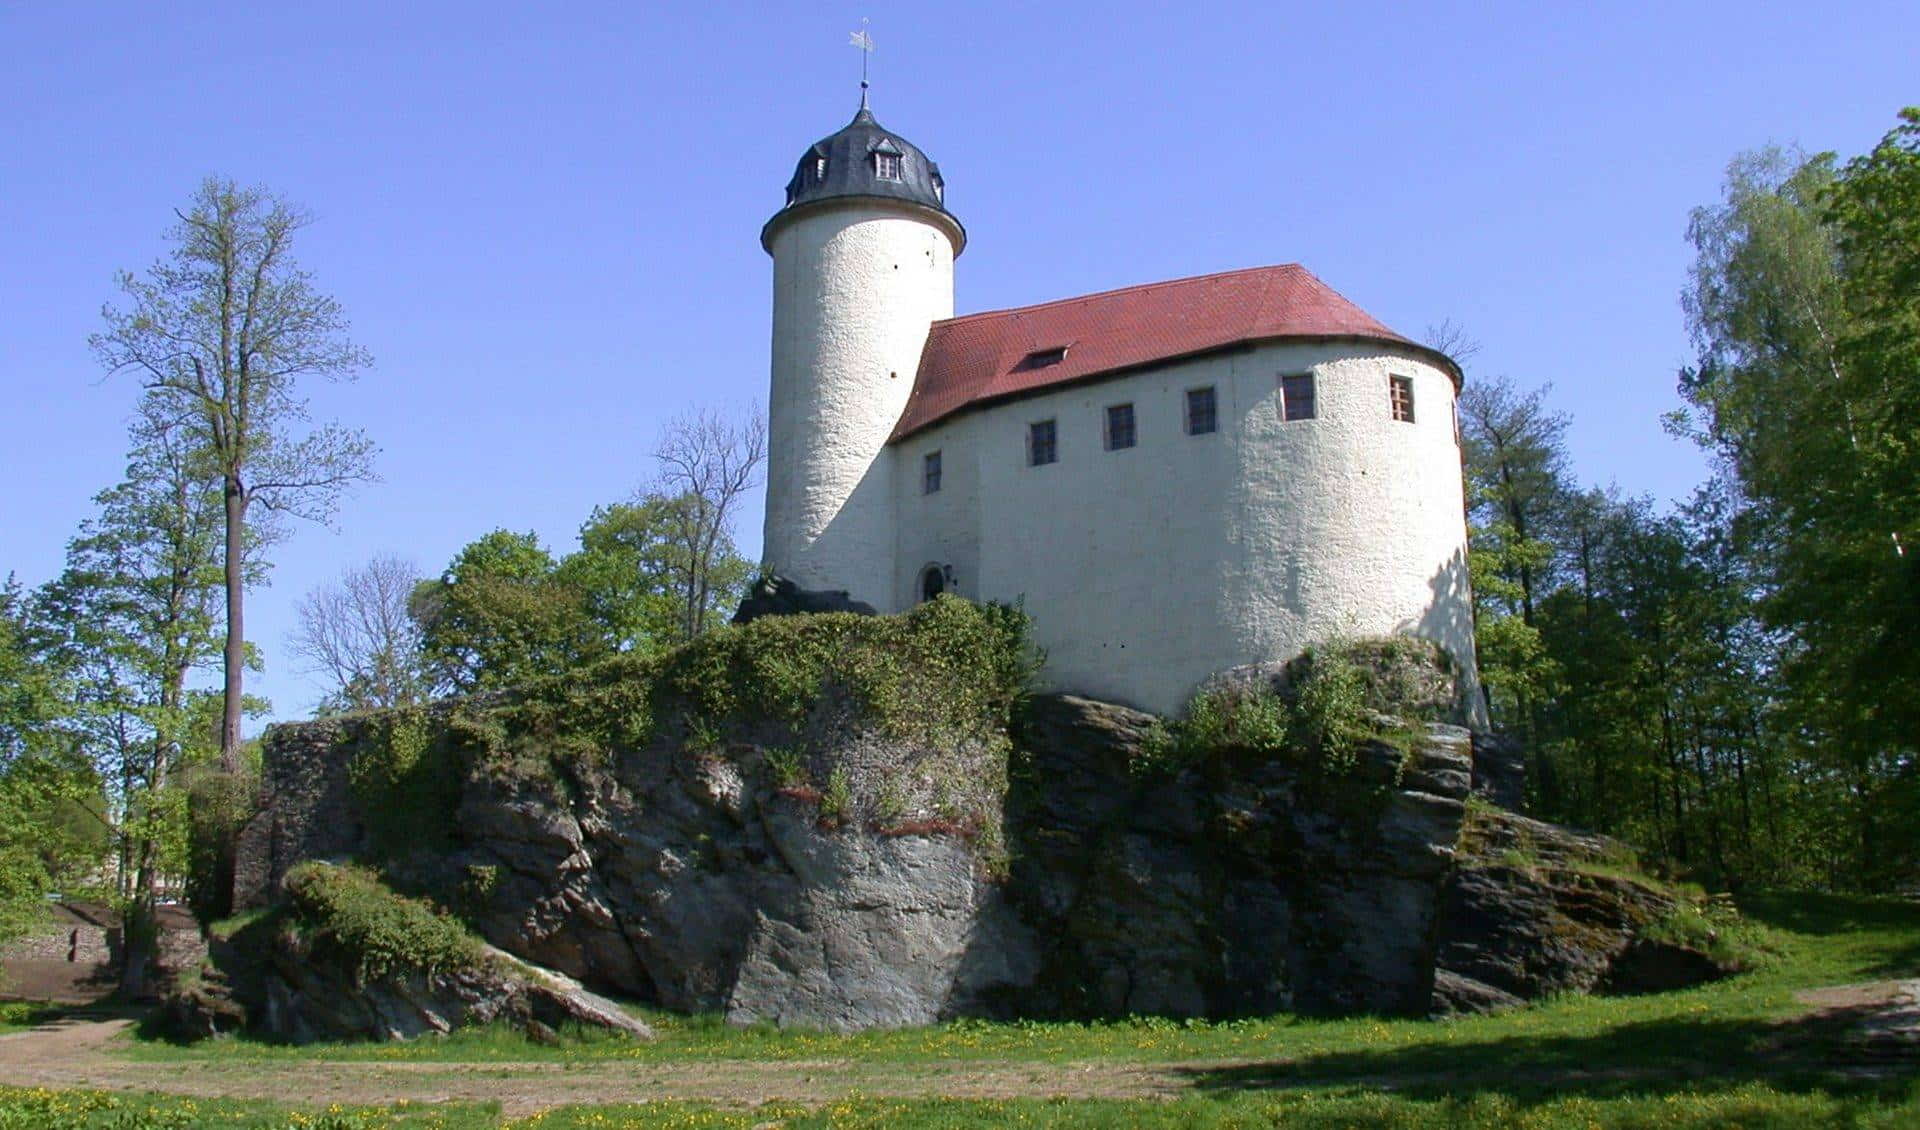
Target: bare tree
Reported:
[(220, 333), (708, 462), (1452, 339), (358, 634)]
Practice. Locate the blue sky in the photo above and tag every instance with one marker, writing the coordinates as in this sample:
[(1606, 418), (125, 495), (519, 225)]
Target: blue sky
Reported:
[(543, 220)]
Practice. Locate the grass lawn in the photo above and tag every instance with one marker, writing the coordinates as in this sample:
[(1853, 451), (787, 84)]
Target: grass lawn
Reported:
[(1721, 1055)]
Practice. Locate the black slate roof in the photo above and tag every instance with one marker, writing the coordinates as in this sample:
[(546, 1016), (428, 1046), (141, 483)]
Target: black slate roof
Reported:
[(850, 169)]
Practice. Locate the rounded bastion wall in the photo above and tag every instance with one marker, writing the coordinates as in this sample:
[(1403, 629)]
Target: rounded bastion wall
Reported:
[(856, 287), (1147, 569)]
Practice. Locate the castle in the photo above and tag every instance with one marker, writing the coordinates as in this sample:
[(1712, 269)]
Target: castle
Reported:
[(1176, 478)]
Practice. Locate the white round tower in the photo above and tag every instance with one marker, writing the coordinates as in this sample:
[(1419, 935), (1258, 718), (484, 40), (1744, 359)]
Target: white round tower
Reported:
[(863, 256)]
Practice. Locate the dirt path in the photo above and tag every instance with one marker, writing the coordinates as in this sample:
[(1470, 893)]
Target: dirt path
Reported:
[(76, 1053)]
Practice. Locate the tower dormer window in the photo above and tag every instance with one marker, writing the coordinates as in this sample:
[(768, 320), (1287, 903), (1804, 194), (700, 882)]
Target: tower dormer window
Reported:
[(886, 159), (819, 169), (939, 188)]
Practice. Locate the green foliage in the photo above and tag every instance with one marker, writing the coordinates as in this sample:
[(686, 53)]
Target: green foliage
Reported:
[(786, 765), (836, 800), (1776, 1105), (1318, 722), (941, 681), (501, 615), (218, 805), (1235, 722), (506, 612), (1720, 931), (405, 776), (346, 914)]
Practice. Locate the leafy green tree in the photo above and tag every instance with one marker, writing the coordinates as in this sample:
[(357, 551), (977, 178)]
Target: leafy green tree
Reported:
[(33, 693), (220, 334), (33, 711), (501, 614), (132, 615), (506, 611), (1515, 452), (1802, 305)]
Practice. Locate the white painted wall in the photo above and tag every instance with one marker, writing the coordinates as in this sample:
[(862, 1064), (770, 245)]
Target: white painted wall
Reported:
[(856, 287), (1150, 568)]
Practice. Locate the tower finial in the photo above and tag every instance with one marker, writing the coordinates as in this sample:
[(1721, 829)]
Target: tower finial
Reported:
[(864, 42)]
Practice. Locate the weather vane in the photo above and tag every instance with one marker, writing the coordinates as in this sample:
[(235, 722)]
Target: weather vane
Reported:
[(864, 42)]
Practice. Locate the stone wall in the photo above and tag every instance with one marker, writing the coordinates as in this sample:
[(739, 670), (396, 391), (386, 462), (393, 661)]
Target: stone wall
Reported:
[(84, 933)]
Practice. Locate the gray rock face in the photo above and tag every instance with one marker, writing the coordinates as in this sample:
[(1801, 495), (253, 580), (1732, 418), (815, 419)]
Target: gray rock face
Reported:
[(861, 889), (1527, 917), (309, 1000), (697, 883), (1194, 897)]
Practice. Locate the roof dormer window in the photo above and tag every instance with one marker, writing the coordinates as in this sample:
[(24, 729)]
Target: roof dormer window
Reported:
[(1042, 358), (939, 187), (819, 169), (886, 160)]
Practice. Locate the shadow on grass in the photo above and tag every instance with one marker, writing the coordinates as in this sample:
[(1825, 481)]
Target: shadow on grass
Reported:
[(1653, 1057), (1824, 915)]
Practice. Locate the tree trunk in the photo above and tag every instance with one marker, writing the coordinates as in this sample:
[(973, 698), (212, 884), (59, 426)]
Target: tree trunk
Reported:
[(234, 659), (139, 928)]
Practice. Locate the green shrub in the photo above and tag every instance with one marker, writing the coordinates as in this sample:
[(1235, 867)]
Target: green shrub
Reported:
[(218, 806), (405, 780), (1317, 722), (1331, 713), (836, 803), (348, 914), (787, 766), (1718, 930)]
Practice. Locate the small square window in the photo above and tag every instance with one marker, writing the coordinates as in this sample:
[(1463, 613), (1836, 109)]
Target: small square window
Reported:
[(1041, 444), (886, 166), (1119, 426), (930, 473), (1296, 396), (1201, 415), (1400, 389)]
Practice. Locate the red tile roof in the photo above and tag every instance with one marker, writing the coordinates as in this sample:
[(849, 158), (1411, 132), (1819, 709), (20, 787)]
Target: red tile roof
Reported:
[(983, 358)]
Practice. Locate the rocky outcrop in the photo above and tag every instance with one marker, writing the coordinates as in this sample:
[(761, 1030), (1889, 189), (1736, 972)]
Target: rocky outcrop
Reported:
[(1535, 909), (705, 887), (309, 998), (860, 865), (1193, 894)]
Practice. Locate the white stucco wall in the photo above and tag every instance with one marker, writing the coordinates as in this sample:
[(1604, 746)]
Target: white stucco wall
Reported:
[(1149, 568), (855, 289)]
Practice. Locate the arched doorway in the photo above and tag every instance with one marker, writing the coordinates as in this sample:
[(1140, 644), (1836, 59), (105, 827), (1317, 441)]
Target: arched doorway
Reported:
[(933, 582)]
